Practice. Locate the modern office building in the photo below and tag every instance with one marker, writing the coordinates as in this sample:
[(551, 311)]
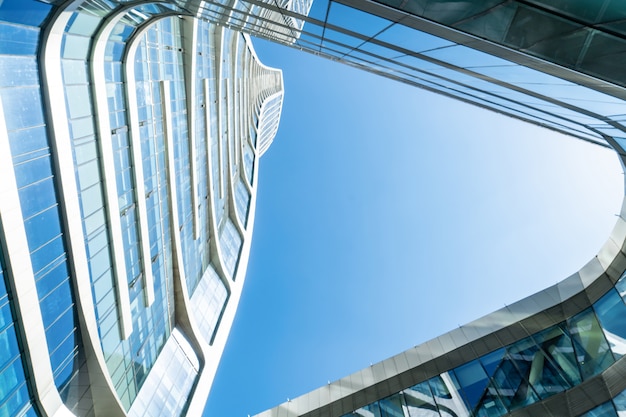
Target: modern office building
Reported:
[(130, 133), (130, 137), (558, 64)]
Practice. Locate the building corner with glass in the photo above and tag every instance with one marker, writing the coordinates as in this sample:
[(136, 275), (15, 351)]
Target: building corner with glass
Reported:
[(130, 137)]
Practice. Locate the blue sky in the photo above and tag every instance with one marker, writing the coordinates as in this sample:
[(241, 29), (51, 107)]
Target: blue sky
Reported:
[(387, 215)]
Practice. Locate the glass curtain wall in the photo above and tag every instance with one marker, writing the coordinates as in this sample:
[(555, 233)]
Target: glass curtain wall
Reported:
[(525, 372)]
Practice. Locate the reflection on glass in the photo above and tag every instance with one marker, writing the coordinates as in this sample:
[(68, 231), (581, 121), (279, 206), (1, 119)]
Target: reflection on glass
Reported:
[(611, 311), (590, 345), (419, 401)]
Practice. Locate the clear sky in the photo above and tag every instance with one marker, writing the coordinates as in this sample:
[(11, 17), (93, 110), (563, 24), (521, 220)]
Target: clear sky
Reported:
[(387, 215)]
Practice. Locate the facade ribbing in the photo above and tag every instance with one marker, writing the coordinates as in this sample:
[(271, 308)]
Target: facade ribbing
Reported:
[(130, 135)]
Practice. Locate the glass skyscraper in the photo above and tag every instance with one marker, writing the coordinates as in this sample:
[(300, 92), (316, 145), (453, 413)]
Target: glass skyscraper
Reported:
[(130, 133), (130, 136)]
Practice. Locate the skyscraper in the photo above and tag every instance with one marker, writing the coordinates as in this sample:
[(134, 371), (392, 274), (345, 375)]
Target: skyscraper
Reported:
[(130, 137), (555, 64)]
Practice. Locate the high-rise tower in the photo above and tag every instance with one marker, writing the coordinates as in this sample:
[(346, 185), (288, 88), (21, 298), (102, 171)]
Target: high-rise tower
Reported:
[(130, 137)]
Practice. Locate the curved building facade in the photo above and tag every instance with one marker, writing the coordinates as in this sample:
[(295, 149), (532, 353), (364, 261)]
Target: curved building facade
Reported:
[(555, 64), (130, 135)]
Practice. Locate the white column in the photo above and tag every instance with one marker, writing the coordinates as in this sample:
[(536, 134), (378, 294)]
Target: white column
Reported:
[(171, 176), (140, 189), (190, 38), (107, 163), (22, 283), (102, 390)]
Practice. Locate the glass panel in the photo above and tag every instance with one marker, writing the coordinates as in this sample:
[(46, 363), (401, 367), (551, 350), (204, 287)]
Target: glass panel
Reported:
[(411, 39), (27, 12), (473, 381), (448, 399), (419, 401), (391, 406), (560, 370), (492, 25), (465, 57), (605, 57), (513, 390), (492, 360), (592, 350), (355, 20), (18, 40), (611, 311)]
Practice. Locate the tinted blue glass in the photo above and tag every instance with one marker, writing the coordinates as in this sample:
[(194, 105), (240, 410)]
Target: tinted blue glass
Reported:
[(75, 47), (28, 140), (18, 40), (6, 318), (420, 402), (27, 12), (22, 106), (31, 412), (55, 304), (46, 254), (15, 402), (492, 360), (592, 350), (32, 171), (8, 346), (391, 406), (473, 380), (556, 344), (60, 329), (18, 70), (63, 374), (42, 228), (37, 197), (55, 275), (611, 311), (513, 389), (12, 376), (63, 351)]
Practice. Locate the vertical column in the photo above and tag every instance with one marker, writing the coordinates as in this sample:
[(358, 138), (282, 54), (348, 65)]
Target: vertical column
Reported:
[(23, 281), (190, 39), (171, 176), (140, 189), (108, 169), (105, 400)]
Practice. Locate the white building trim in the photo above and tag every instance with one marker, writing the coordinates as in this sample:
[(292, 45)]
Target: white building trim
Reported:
[(107, 161), (135, 140), (190, 46), (22, 284), (102, 389)]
